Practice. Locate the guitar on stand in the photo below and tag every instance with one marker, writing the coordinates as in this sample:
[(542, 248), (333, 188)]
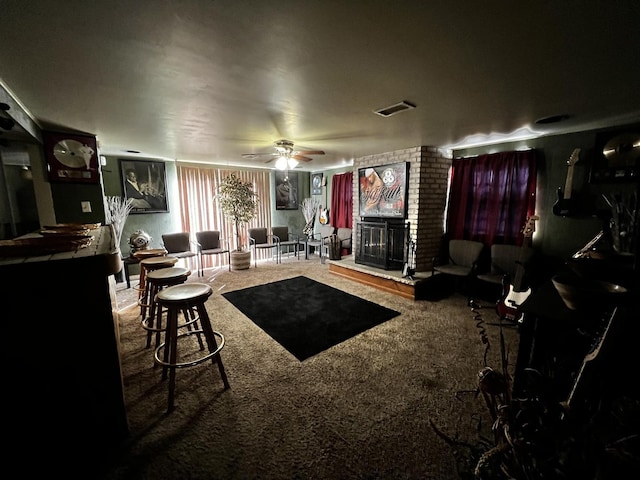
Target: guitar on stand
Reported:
[(565, 205), (514, 294)]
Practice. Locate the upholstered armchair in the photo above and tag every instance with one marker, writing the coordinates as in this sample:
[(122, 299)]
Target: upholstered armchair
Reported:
[(461, 262), (344, 235), (505, 260)]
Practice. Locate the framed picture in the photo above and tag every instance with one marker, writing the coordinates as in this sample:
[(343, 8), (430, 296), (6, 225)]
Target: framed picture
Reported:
[(616, 158), (383, 191), (145, 182), (286, 190), (316, 184), (71, 158)]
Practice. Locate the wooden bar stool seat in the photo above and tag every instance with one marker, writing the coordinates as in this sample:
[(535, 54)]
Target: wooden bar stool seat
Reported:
[(140, 255), (149, 265), (157, 280), (183, 298)]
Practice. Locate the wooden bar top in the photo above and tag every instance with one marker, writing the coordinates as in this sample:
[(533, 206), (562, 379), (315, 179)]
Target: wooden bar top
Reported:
[(103, 244)]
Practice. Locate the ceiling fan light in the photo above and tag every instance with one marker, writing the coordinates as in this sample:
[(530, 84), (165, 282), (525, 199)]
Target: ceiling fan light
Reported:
[(292, 163), (281, 163)]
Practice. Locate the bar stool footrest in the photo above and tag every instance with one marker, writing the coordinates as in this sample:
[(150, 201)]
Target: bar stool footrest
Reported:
[(192, 363)]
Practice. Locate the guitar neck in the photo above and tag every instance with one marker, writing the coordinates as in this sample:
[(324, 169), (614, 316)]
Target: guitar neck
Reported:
[(518, 280), (568, 185)]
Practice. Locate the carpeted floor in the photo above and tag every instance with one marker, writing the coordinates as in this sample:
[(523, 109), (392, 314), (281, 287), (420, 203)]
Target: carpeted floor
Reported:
[(363, 409)]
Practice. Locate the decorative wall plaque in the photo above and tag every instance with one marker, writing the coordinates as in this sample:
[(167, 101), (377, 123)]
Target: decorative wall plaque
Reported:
[(71, 157)]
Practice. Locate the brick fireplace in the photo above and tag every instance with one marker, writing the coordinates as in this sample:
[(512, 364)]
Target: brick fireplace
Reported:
[(426, 200)]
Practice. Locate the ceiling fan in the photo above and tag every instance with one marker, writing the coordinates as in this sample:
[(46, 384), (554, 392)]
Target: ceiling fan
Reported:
[(286, 156)]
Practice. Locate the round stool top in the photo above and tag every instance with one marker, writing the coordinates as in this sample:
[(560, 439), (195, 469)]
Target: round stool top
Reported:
[(150, 252), (185, 292), (159, 261), (168, 273)]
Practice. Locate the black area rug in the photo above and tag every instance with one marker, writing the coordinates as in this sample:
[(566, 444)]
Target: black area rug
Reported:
[(307, 317)]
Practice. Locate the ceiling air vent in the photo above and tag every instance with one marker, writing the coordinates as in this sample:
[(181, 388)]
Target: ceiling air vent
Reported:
[(393, 109)]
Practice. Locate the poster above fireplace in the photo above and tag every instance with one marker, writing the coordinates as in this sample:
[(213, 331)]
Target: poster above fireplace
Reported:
[(383, 191)]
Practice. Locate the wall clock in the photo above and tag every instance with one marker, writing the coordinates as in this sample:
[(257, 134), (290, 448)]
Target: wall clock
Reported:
[(71, 157)]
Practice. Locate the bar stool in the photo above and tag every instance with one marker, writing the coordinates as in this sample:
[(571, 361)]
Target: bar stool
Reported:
[(156, 281), (140, 255), (149, 265), (188, 296)]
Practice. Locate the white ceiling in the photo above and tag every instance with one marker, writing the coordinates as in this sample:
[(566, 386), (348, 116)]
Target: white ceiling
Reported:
[(211, 80)]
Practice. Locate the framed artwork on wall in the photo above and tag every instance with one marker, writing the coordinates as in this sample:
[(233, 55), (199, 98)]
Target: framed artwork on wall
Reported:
[(383, 190), (316, 184), (286, 185), (71, 157), (616, 158), (145, 182)]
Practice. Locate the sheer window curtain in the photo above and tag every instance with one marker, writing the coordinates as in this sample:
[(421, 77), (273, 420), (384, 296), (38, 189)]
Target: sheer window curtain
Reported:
[(492, 196), (199, 211)]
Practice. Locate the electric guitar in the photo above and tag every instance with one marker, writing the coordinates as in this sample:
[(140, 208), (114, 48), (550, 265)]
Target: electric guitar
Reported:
[(323, 212), (603, 346), (323, 216), (515, 294), (565, 205)]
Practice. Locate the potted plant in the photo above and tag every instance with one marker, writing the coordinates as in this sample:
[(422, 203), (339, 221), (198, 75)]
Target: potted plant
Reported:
[(238, 203)]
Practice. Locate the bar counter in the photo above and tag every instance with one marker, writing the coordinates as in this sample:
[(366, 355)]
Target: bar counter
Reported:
[(60, 352)]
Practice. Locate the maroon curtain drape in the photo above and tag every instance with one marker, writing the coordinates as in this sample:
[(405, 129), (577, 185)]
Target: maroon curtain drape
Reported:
[(492, 196), (341, 213)]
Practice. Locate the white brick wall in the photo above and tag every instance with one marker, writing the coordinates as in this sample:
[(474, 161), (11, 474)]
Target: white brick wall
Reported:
[(428, 180)]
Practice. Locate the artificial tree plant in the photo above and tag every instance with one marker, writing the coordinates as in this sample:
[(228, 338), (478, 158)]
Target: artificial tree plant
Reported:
[(238, 202)]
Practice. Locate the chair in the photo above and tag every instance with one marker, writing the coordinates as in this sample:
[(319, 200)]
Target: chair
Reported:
[(320, 240), (344, 235), (286, 239), (505, 260), (462, 262), (178, 245), (505, 271), (259, 239), (190, 299), (156, 281), (210, 243)]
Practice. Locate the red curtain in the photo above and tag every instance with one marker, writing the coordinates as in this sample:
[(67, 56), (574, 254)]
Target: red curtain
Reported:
[(341, 213), (492, 196)]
